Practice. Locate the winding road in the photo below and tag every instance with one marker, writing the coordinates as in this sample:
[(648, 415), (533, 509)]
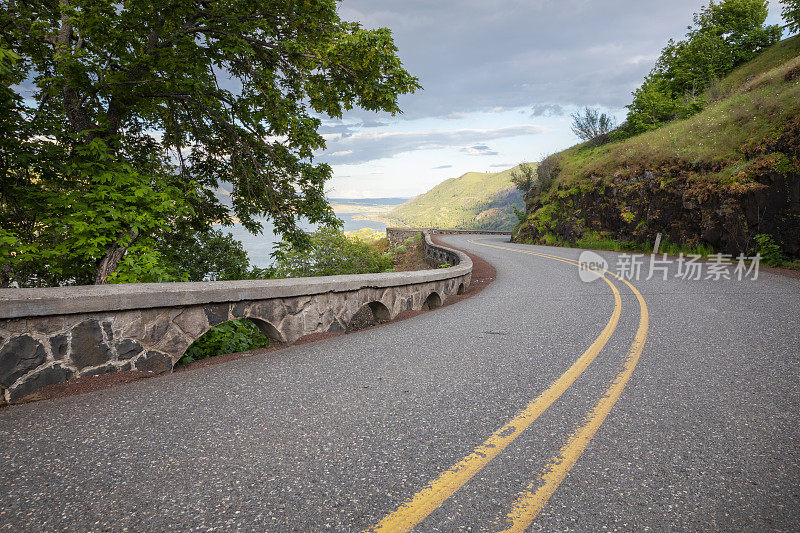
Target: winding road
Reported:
[(543, 403)]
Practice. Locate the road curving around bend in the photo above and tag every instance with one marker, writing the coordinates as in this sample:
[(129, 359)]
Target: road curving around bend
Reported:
[(695, 430), (424, 502)]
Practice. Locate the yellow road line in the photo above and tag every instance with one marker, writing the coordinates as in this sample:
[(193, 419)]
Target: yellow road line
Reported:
[(536, 495), (424, 502)]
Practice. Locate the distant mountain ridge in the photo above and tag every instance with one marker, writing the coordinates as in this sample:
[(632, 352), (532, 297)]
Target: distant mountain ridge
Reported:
[(368, 201), (475, 200)]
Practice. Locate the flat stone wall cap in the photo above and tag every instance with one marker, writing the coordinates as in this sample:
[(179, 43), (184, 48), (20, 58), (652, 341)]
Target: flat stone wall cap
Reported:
[(18, 303)]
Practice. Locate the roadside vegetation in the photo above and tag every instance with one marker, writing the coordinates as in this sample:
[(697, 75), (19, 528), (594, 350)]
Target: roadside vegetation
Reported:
[(331, 253), (118, 127), (230, 337), (707, 155), (772, 254), (358, 252), (723, 36)]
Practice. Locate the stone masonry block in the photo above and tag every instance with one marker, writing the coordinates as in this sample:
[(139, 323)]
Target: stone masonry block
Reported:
[(88, 346), (155, 362), (192, 321), (217, 314), (18, 357), (59, 346), (47, 376)]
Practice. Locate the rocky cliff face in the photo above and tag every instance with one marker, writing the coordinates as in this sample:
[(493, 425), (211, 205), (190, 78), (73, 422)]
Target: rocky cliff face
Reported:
[(715, 205)]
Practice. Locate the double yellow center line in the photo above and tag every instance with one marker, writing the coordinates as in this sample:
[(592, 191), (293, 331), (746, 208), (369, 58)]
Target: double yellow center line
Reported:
[(535, 496)]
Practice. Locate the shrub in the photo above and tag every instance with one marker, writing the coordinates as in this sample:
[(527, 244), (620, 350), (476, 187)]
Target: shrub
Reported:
[(522, 216), (546, 173), (591, 124), (524, 177), (231, 337), (770, 252), (330, 253), (380, 244)]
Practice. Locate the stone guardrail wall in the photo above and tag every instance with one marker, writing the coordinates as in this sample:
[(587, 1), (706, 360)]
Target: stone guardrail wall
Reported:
[(52, 335), (398, 235)]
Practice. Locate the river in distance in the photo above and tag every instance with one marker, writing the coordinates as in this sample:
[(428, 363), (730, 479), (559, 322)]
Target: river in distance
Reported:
[(259, 247)]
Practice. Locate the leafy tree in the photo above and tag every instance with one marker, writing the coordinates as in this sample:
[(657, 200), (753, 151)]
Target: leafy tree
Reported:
[(331, 253), (140, 109), (591, 124), (791, 14), (653, 104), (724, 36), (209, 255)]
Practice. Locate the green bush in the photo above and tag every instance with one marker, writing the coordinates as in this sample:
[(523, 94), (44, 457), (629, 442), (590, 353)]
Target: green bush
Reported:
[(770, 252), (330, 253), (524, 177), (231, 337), (521, 215)]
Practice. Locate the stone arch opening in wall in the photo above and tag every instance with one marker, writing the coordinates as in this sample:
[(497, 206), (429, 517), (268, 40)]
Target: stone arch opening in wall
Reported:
[(268, 329), (432, 301), (232, 336), (461, 288), (370, 314)]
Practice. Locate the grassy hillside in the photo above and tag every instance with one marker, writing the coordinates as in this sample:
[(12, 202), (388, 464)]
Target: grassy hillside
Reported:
[(475, 200), (715, 179)]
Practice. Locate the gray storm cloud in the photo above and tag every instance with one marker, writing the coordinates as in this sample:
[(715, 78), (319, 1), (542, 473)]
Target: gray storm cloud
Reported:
[(536, 56), (476, 55), (358, 146)]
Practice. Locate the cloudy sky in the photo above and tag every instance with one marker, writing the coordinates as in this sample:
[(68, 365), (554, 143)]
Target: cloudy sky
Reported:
[(500, 78)]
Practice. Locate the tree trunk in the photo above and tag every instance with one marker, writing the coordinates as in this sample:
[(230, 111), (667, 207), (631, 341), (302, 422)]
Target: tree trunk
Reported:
[(5, 277), (109, 262)]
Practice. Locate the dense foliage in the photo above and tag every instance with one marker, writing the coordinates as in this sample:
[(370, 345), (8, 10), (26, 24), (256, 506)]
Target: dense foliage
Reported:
[(230, 337), (330, 253), (209, 255), (135, 111), (791, 14), (724, 35), (766, 247)]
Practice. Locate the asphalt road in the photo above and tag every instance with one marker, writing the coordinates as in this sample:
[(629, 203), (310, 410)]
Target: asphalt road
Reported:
[(338, 434)]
